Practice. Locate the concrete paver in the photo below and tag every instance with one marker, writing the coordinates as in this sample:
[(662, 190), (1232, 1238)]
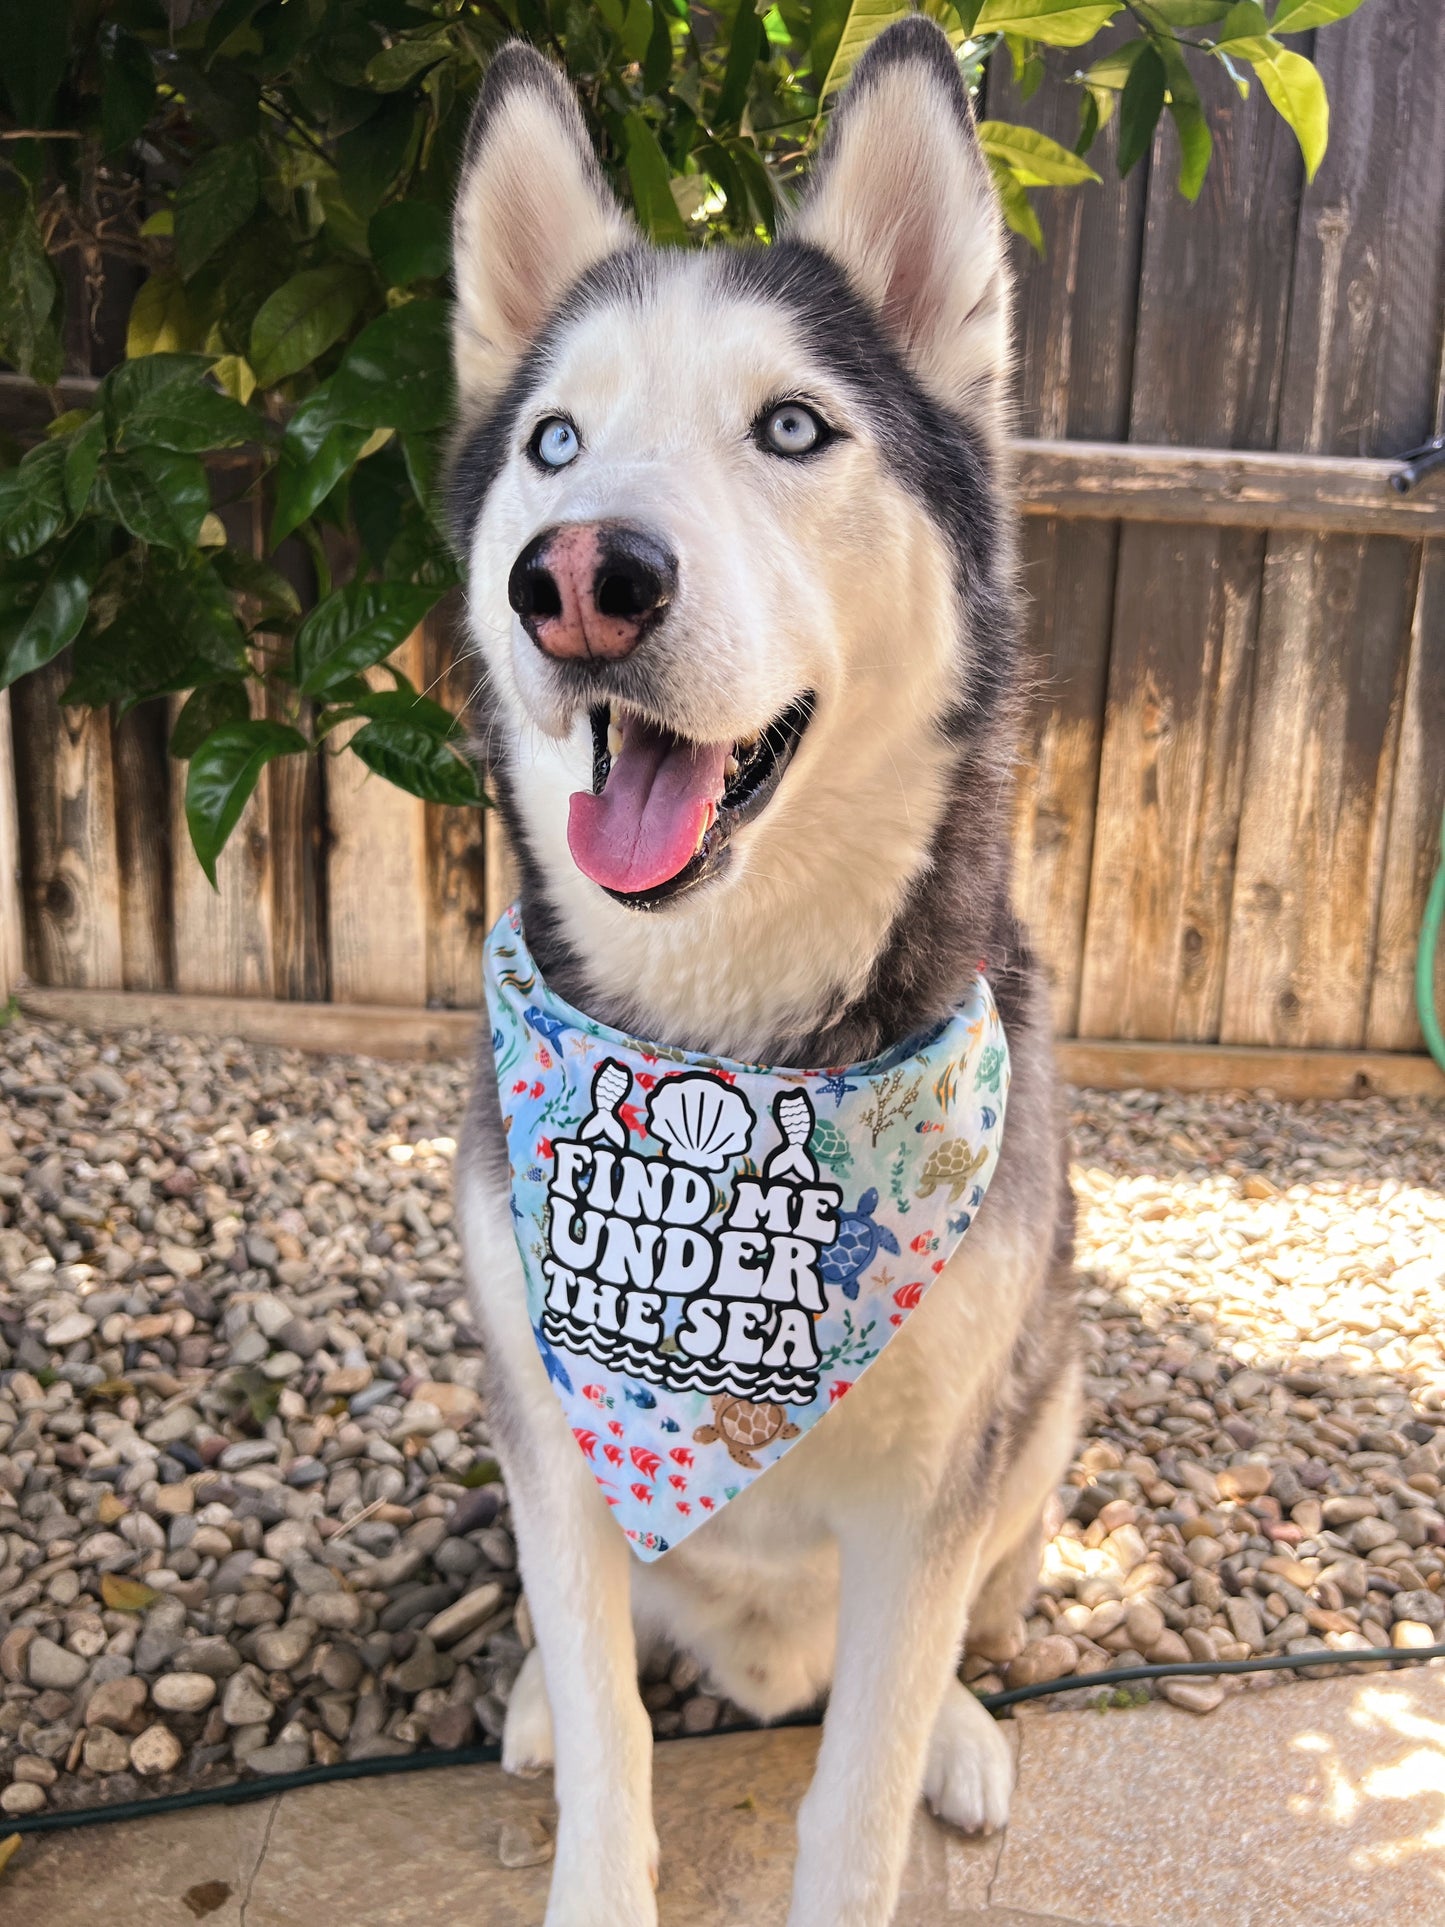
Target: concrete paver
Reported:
[(1320, 1802)]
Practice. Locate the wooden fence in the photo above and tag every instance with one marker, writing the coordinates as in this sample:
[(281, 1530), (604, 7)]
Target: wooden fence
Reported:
[(1232, 790)]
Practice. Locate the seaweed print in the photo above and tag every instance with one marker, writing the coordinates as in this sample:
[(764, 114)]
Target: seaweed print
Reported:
[(890, 1102), (898, 1172), (852, 1346), (990, 1068)]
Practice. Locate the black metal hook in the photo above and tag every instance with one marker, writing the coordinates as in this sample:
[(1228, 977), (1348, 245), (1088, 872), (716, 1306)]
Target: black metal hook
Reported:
[(1416, 462)]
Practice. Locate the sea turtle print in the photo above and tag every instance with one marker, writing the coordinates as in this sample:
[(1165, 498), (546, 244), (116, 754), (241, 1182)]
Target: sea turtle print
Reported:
[(953, 1166), (830, 1147), (858, 1242), (743, 1427)]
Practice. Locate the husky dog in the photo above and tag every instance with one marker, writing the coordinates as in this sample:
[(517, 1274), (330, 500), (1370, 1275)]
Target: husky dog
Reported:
[(741, 581)]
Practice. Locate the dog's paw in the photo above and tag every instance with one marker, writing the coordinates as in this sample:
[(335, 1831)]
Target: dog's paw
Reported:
[(970, 1773), (527, 1748)]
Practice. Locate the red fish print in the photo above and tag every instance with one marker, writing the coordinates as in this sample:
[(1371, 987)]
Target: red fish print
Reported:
[(538, 1088), (642, 1493), (544, 1148), (519, 1086), (705, 1503), (594, 1394), (612, 1454), (587, 1440), (684, 1508), (615, 1427), (678, 1482), (681, 1456), (544, 1058), (895, 1317), (646, 1462), (632, 1119), (838, 1388), (907, 1296)]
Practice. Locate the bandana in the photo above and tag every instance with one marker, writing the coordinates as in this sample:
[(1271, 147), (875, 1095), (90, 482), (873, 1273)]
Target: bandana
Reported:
[(715, 1251)]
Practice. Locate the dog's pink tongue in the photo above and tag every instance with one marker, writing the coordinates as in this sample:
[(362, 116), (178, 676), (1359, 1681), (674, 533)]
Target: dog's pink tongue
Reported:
[(661, 794)]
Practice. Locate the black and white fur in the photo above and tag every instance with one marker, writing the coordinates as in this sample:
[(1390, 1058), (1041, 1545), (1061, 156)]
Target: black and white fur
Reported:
[(851, 914)]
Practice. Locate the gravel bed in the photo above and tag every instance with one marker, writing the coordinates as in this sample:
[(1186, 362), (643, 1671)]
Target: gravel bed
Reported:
[(248, 1517)]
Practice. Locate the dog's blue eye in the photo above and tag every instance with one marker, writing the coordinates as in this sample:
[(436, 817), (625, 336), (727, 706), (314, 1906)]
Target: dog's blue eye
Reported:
[(792, 430), (555, 443)]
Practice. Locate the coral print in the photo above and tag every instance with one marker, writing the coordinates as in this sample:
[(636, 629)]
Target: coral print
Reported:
[(696, 1277)]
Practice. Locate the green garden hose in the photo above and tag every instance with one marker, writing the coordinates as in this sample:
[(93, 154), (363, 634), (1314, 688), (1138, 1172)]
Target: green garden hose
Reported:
[(1425, 960)]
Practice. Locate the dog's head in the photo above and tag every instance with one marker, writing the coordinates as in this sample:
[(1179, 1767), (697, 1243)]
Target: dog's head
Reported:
[(728, 515)]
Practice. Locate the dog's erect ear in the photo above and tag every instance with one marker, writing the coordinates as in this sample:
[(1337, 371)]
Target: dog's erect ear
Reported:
[(903, 202), (533, 213)]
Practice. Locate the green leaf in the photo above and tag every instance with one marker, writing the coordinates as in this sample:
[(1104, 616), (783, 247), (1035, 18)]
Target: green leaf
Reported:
[(657, 63), (32, 500), (29, 292), (1058, 23), (410, 241), (857, 25), (1036, 160), (127, 92), (1140, 107), (401, 705), (223, 772), (1195, 140), (159, 495), (648, 172), (1245, 21), (303, 484), (1298, 95), (161, 320), (356, 627), (398, 372), (167, 401), (36, 55), (263, 594), (1189, 13), (1112, 70), (401, 63), (43, 605), (83, 451), (171, 631), (417, 760), (370, 156), (745, 50), (303, 318), (217, 196), (1298, 16), (206, 709), (1018, 210)]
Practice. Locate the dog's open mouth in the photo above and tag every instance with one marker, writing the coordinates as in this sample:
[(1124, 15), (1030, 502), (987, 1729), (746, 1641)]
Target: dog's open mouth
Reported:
[(661, 808)]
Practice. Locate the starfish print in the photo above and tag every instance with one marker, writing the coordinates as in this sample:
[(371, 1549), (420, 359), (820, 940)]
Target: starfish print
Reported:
[(836, 1085)]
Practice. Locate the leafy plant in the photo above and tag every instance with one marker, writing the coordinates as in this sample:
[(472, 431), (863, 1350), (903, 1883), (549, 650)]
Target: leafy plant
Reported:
[(273, 179)]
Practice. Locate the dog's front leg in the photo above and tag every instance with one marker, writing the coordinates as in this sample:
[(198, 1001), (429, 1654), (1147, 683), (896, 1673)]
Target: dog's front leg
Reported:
[(575, 1564), (900, 1622)]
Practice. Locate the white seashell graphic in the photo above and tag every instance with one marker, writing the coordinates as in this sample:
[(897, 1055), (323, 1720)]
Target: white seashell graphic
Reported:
[(703, 1123)]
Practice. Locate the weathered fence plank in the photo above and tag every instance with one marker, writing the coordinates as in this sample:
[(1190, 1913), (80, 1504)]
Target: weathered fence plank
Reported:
[(376, 874), (1212, 316), (12, 922), (1074, 334), (1358, 378), (143, 846), (456, 909), (67, 834)]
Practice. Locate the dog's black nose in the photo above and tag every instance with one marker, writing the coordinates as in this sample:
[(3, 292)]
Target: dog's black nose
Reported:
[(591, 588)]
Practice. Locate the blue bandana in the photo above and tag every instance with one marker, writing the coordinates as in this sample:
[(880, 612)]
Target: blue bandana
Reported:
[(715, 1251)]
